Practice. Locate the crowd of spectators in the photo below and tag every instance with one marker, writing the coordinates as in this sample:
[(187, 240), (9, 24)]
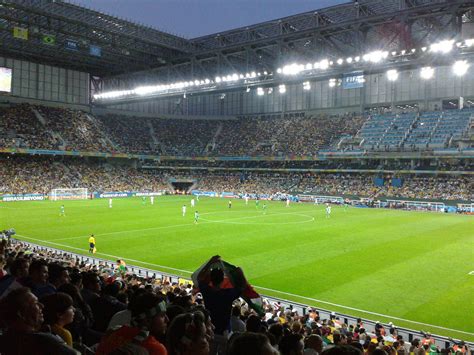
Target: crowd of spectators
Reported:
[(69, 129), (56, 303), (78, 130), (20, 128), (287, 135), (26, 174), (21, 175)]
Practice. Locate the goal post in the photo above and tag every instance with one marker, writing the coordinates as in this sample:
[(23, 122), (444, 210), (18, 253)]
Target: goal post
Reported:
[(69, 194)]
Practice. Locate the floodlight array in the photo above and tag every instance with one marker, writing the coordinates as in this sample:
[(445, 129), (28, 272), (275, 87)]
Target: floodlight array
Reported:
[(443, 47)]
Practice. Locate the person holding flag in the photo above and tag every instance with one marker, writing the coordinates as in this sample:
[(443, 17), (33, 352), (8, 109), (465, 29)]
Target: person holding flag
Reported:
[(220, 283)]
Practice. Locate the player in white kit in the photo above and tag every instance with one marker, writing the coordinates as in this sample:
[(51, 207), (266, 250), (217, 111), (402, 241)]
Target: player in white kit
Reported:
[(152, 199), (192, 203), (246, 199), (110, 203), (287, 202), (183, 209), (328, 210)]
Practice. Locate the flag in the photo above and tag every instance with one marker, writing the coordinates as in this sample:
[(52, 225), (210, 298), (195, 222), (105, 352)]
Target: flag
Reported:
[(20, 33), (234, 278), (49, 40)]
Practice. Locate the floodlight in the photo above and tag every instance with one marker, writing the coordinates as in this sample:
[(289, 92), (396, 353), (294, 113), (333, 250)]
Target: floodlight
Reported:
[(279, 70), (309, 66), (281, 89), (196, 82), (235, 77), (357, 58), (144, 90), (340, 61), (442, 47), (349, 60), (265, 73), (260, 92), (306, 85), (403, 52), (207, 81), (324, 64), (332, 83), (241, 76), (247, 90), (392, 75), (469, 42), (270, 90), (394, 53), (424, 49), (218, 79), (426, 73), (253, 75), (460, 67)]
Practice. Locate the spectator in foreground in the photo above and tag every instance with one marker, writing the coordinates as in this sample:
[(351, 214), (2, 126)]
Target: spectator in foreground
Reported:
[(251, 344), (149, 323), (22, 315), (187, 335), (59, 312), (218, 301)]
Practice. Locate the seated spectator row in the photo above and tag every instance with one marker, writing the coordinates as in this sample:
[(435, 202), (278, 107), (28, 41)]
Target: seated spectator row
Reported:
[(28, 174)]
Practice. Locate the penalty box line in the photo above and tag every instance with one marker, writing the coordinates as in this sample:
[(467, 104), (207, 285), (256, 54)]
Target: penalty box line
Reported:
[(266, 289)]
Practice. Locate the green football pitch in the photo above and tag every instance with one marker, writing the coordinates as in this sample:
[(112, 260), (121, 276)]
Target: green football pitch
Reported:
[(412, 268)]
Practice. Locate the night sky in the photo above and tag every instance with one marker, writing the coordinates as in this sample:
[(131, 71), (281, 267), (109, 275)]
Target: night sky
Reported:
[(194, 18)]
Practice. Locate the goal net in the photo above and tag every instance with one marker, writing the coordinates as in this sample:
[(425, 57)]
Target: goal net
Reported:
[(69, 194)]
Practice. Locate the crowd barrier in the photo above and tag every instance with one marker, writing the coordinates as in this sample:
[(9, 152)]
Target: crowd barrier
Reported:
[(408, 334)]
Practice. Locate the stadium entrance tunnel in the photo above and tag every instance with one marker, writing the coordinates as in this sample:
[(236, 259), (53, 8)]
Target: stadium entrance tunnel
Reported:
[(180, 187)]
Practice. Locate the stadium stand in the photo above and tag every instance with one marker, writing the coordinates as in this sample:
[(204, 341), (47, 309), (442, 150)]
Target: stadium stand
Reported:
[(25, 174), (110, 305)]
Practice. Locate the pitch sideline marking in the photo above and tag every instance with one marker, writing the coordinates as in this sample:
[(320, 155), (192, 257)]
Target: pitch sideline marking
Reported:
[(175, 225), (269, 289)]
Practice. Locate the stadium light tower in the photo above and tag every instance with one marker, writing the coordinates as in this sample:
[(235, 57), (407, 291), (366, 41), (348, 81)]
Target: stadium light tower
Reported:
[(392, 75), (427, 73), (460, 67)]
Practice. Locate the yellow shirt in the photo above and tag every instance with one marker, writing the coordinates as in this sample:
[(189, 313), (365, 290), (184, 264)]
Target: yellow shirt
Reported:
[(63, 333), (92, 240)]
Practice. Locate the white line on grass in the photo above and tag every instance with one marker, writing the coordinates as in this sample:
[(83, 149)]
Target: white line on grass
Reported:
[(266, 289), (108, 255), (206, 221)]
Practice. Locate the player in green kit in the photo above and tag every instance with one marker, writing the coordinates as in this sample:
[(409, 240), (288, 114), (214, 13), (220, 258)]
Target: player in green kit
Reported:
[(257, 202), (196, 217), (62, 211), (264, 208), (143, 200)]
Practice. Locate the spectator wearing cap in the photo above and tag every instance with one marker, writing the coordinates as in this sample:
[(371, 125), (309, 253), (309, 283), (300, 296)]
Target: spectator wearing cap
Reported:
[(22, 316), (148, 324)]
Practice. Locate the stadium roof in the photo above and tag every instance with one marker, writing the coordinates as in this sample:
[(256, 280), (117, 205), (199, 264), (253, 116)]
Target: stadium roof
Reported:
[(71, 36)]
